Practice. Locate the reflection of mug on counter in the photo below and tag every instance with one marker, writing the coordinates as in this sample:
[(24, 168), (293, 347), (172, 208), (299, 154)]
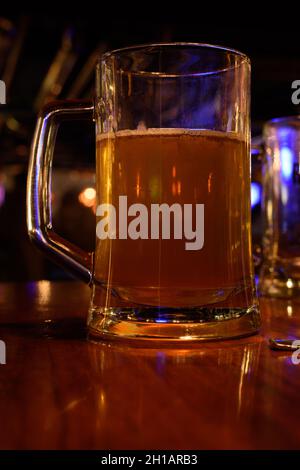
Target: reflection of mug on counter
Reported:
[(172, 259)]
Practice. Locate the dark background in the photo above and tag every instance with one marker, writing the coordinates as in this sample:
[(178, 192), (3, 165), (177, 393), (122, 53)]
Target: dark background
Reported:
[(274, 49)]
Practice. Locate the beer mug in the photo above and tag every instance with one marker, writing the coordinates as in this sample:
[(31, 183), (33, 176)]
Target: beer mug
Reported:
[(280, 271), (173, 258)]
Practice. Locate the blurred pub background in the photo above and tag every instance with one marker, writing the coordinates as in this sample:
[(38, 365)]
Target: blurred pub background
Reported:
[(53, 57)]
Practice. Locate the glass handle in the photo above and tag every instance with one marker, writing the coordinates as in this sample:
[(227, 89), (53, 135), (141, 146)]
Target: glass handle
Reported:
[(39, 211)]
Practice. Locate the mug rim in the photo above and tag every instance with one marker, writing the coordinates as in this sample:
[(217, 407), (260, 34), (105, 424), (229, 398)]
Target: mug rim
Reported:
[(243, 58), (291, 122), (283, 120)]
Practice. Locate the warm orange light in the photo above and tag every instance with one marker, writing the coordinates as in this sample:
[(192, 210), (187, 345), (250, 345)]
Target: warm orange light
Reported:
[(209, 182), (138, 185), (87, 197), (178, 188), (174, 189)]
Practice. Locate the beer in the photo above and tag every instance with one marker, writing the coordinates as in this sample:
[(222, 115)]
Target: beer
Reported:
[(176, 166)]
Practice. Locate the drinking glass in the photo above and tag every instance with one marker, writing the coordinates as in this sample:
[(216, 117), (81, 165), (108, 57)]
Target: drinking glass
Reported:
[(280, 272), (172, 259)]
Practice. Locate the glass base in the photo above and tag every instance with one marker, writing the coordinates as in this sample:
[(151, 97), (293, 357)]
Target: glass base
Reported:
[(172, 324), (284, 289), (281, 279)]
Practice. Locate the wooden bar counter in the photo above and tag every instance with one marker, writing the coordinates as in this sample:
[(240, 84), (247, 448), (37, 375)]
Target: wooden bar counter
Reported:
[(59, 391)]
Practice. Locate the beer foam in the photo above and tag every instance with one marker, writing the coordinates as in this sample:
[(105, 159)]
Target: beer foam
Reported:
[(168, 131)]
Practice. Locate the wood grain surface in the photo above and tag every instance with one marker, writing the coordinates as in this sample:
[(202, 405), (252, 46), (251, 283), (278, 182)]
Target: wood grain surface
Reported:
[(60, 391)]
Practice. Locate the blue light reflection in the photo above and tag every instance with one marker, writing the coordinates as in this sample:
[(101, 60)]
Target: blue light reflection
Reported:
[(286, 157), (255, 194)]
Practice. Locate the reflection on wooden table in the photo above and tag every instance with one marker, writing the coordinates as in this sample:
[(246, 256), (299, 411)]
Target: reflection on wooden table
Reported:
[(59, 391)]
